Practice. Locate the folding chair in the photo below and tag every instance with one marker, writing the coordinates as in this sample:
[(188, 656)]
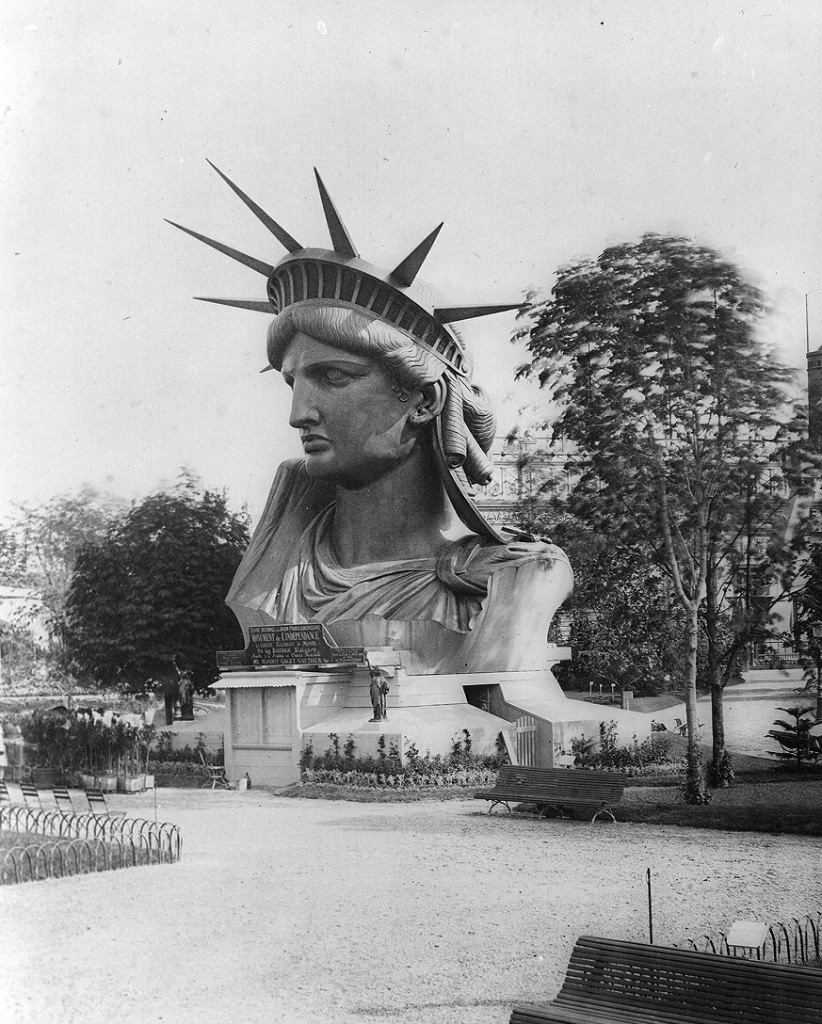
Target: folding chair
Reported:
[(38, 815), (31, 796), (11, 812), (216, 772), (98, 806), (74, 818), (62, 798)]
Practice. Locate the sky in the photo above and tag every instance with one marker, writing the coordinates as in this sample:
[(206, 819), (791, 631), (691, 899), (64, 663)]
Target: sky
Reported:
[(538, 131)]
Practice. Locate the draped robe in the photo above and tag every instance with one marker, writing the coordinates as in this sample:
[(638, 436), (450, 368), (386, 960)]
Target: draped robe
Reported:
[(474, 607)]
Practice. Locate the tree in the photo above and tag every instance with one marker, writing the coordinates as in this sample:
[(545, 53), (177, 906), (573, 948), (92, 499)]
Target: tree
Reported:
[(38, 552), (807, 625), (149, 602), (622, 619), (682, 420)]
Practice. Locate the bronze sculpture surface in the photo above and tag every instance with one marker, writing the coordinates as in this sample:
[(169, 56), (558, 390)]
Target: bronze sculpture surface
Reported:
[(374, 532)]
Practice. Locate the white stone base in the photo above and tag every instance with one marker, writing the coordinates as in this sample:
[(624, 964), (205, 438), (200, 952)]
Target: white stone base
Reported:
[(433, 730), (274, 714)]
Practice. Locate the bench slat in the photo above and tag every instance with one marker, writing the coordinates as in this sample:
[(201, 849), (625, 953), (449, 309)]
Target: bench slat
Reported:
[(556, 787), (614, 982), (546, 795)]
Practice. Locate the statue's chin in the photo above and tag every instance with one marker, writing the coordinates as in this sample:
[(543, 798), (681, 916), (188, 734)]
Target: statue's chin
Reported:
[(317, 469), (354, 478)]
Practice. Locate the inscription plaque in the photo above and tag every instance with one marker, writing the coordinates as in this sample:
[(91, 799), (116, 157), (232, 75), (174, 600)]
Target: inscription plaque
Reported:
[(290, 646)]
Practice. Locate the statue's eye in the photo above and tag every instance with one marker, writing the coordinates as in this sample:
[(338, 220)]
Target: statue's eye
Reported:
[(331, 375)]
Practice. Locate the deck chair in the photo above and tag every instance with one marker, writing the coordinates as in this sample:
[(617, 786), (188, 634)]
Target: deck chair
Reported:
[(98, 806), (216, 772), (38, 814), (62, 798), (73, 817), (31, 796), (12, 812)]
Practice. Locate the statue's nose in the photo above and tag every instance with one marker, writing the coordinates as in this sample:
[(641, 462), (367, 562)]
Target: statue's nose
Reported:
[(303, 408)]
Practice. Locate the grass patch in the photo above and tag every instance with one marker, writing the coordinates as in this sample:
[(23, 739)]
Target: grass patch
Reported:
[(729, 819), (775, 800)]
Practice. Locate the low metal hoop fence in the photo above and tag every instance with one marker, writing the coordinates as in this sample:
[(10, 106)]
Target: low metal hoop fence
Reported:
[(82, 843), (797, 941)]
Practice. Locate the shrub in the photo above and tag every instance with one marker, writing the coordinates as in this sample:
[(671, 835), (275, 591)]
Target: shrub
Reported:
[(636, 758), (794, 736), (460, 768)]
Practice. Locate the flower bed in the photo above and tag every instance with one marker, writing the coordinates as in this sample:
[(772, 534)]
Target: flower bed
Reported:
[(408, 779)]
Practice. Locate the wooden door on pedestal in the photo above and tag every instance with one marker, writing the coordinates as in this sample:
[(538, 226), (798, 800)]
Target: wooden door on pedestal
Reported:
[(263, 734), (526, 729)]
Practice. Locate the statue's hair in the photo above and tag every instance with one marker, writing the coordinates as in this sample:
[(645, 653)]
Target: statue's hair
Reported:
[(468, 421)]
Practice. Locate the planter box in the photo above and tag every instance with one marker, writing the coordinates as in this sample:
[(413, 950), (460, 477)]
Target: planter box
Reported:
[(106, 783), (149, 782), (45, 778), (131, 783), (88, 781)]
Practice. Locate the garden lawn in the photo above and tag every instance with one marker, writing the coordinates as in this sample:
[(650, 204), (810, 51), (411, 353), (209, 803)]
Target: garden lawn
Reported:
[(784, 805), (767, 797)]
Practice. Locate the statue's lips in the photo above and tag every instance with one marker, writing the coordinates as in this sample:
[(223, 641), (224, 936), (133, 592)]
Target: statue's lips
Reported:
[(315, 443)]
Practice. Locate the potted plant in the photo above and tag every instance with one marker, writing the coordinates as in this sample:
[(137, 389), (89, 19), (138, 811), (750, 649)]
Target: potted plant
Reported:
[(45, 741), (98, 770), (145, 740), (130, 777)]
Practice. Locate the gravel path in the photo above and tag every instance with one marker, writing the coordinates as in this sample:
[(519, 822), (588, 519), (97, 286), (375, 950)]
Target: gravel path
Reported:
[(293, 911)]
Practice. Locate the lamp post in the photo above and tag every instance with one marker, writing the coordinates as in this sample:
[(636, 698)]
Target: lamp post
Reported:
[(816, 629)]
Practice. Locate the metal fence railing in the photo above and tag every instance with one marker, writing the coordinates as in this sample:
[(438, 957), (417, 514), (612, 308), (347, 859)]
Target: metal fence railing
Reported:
[(775, 654), (81, 843), (793, 942)]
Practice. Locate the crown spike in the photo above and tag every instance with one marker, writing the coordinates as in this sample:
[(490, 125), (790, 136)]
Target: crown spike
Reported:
[(406, 271), (253, 304), (279, 233), (340, 238), (449, 314), (262, 268)]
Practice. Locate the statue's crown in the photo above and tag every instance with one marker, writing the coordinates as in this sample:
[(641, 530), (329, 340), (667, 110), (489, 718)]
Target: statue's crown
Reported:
[(339, 277)]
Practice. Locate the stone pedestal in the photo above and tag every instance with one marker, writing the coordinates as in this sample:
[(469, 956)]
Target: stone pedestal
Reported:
[(274, 715)]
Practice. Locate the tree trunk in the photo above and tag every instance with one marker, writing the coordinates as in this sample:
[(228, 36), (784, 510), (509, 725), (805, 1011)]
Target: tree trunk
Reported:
[(718, 774), (718, 729), (695, 786)]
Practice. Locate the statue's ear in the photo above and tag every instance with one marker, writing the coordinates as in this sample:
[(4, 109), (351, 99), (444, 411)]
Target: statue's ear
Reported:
[(429, 404)]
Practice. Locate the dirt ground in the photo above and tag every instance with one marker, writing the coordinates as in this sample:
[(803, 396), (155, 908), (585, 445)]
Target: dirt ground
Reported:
[(288, 910)]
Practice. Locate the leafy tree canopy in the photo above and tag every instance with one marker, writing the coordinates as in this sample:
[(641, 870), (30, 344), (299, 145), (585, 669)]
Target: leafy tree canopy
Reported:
[(622, 621), (38, 551), (151, 597), (687, 436)]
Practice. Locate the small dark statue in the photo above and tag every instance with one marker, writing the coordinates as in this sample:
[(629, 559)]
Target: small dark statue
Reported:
[(379, 688), (185, 689)]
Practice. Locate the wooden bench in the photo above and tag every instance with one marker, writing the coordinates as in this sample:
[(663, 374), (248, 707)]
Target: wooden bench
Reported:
[(556, 788), (610, 981)]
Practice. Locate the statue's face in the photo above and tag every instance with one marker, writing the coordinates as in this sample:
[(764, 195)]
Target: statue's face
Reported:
[(352, 425)]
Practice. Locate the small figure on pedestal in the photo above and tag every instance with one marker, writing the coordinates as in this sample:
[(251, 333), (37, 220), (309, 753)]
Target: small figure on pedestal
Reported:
[(185, 693), (379, 688)]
